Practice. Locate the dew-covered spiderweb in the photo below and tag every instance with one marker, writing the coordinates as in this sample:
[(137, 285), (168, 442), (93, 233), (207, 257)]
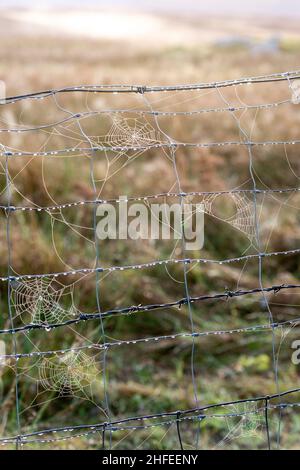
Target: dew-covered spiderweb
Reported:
[(147, 342), (39, 301), (72, 373)]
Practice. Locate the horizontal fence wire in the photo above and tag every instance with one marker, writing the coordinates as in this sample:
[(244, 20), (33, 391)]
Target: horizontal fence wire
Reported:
[(88, 114), (150, 264), (171, 145), (68, 205)]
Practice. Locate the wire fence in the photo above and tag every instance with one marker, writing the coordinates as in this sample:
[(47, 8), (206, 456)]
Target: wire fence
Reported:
[(61, 381)]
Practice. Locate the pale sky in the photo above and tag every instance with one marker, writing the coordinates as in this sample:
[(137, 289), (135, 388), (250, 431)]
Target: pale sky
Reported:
[(265, 7)]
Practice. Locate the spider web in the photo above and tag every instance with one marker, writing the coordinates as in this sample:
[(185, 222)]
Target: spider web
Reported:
[(131, 132), (72, 373), (243, 218), (39, 301), (248, 425)]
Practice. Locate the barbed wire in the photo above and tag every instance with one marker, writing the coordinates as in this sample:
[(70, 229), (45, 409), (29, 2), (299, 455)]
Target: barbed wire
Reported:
[(141, 89), (150, 307)]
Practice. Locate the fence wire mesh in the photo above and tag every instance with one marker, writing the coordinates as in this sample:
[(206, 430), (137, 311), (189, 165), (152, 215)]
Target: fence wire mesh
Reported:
[(141, 343)]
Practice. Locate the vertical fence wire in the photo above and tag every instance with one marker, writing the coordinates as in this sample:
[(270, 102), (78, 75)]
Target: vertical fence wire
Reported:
[(8, 184)]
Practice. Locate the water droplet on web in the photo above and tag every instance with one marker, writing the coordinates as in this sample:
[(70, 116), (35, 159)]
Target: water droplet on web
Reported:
[(295, 87)]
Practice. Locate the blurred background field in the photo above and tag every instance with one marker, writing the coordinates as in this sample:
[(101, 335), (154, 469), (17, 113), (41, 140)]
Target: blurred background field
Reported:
[(52, 48)]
